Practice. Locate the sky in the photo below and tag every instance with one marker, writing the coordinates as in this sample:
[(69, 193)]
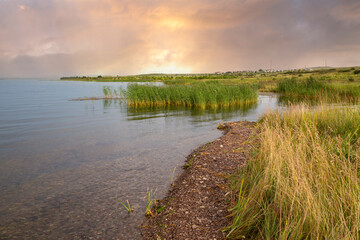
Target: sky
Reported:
[(54, 38)]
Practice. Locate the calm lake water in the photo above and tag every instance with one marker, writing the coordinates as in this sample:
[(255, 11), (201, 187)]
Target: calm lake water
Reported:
[(63, 164)]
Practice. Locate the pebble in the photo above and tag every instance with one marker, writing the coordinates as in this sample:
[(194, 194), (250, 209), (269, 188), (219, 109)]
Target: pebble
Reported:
[(221, 146)]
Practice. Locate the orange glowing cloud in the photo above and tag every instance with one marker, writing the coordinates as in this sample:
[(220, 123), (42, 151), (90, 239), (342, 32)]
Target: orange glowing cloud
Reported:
[(64, 37)]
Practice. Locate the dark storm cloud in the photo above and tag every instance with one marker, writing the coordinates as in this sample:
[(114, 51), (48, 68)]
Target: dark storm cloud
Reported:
[(63, 37)]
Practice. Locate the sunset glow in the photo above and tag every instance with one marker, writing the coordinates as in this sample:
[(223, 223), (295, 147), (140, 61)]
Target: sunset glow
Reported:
[(22, 7), (173, 24), (58, 37)]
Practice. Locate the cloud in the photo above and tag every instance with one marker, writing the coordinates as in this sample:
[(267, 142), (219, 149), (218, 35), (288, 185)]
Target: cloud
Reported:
[(350, 13), (64, 37)]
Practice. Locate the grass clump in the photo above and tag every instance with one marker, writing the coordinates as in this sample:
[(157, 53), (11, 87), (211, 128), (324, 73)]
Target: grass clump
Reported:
[(127, 206), (150, 200), (200, 95), (172, 177), (304, 179)]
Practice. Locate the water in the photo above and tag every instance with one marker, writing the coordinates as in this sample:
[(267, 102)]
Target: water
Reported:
[(63, 164)]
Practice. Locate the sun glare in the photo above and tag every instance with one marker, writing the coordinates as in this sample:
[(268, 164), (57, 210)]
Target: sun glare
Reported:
[(173, 23), (22, 7)]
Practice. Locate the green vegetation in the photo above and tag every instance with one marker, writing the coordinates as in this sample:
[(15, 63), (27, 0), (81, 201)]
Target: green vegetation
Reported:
[(127, 206), (166, 78), (150, 201), (309, 87), (198, 95), (317, 85), (172, 177), (110, 92), (137, 78), (314, 89), (303, 181), (266, 80)]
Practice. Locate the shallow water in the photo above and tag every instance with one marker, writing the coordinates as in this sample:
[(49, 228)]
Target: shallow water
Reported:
[(63, 164)]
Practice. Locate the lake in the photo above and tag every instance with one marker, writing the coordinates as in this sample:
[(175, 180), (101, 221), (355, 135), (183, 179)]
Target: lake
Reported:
[(64, 164)]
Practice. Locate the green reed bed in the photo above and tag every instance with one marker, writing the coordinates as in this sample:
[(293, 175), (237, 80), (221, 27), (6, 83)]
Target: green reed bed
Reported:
[(197, 95), (317, 90), (303, 181)]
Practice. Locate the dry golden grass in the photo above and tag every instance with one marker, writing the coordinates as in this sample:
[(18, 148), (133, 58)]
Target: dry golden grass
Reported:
[(304, 179)]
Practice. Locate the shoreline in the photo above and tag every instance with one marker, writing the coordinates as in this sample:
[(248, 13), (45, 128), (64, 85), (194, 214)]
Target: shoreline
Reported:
[(197, 205)]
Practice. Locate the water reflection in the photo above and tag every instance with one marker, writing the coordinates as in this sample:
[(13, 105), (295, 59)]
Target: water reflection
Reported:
[(249, 111), (196, 114)]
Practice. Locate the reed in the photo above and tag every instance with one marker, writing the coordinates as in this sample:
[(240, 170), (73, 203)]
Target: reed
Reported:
[(308, 87), (172, 177), (200, 95), (316, 91), (150, 201), (303, 181), (127, 206), (110, 92)]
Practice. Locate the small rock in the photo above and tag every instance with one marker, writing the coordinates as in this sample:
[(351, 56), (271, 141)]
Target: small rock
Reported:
[(221, 146)]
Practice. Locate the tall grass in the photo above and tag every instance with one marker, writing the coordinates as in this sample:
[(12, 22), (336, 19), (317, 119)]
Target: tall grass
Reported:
[(199, 95), (110, 92), (304, 179), (309, 87), (317, 90)]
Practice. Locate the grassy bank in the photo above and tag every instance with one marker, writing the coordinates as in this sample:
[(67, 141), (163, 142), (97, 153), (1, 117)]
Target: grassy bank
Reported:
[(267, 81), (304, 180), (198, 95), (317, 85)]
